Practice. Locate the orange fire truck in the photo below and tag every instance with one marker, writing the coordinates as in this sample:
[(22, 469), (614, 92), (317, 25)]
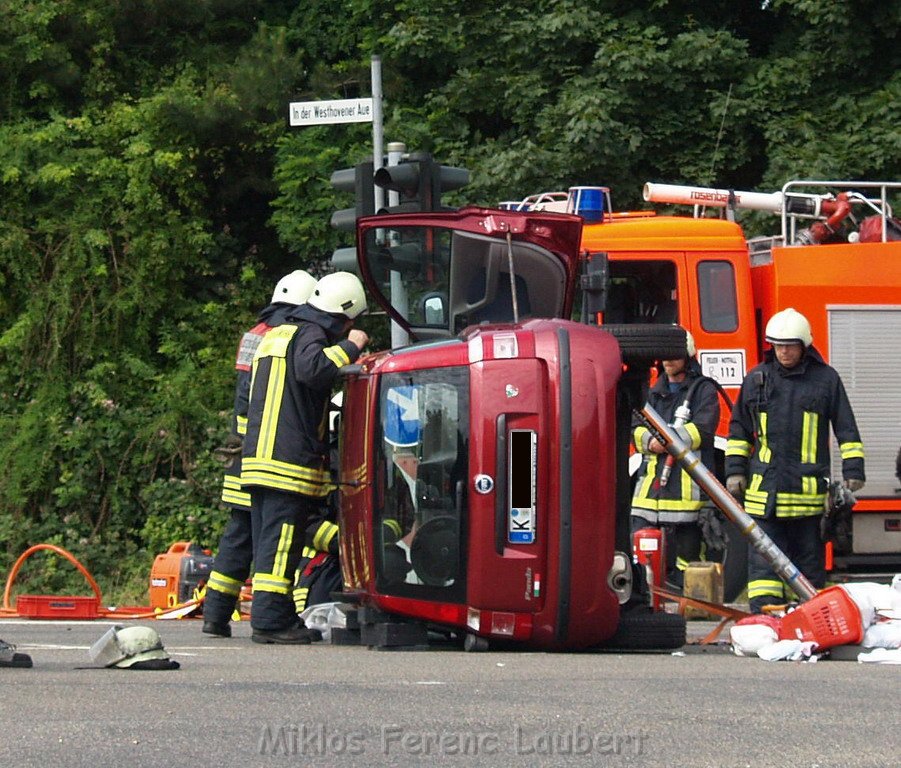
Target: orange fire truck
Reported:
[(837, 259)]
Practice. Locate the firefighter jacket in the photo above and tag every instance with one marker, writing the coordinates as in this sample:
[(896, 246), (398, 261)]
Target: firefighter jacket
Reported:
[(287, 420), (779, 436), (272, 315), (680, 499)]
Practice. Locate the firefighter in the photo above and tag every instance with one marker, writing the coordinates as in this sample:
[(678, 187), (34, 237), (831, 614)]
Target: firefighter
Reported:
[(233, 558), (777, 456), (285, 448), (667, 497), (319, 571)]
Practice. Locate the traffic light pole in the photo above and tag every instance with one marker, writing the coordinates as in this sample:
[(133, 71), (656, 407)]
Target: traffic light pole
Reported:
[(377, 126), (399, 336)]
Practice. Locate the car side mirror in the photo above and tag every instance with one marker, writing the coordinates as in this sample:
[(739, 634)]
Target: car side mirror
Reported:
[(434, 309)]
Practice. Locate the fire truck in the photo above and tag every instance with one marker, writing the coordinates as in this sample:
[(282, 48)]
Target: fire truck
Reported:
[(836, 258)]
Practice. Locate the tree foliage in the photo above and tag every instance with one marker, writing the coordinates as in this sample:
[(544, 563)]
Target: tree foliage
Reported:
[(152, 192)]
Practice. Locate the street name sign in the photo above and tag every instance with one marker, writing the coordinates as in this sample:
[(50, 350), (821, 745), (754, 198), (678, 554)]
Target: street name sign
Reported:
[(328, 112)]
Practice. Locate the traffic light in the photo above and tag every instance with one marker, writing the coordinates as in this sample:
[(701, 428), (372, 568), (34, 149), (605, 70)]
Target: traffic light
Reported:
[(345, 260), (359, 181), (419, 182)]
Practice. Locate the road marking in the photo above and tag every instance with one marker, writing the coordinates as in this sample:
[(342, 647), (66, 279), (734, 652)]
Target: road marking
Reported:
[(57, 623)]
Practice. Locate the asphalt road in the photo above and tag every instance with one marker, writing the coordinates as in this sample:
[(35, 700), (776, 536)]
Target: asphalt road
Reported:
[(234, 703)]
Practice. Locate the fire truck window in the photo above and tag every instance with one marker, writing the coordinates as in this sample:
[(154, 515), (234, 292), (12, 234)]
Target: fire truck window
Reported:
[(422, 466), (642, 292), (716, 293)]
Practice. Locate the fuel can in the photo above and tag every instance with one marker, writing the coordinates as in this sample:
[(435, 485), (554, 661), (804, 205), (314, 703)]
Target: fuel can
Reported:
[(703, 581)]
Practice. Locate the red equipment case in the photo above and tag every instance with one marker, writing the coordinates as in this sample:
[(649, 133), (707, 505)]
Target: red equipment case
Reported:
[(55, 607), (829, 619)]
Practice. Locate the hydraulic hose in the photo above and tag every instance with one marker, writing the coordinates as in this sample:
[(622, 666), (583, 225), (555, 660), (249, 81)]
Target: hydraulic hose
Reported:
[(683, 414)]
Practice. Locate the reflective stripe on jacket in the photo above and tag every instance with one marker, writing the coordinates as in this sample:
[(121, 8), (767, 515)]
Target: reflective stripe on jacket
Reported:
[(274, 314)]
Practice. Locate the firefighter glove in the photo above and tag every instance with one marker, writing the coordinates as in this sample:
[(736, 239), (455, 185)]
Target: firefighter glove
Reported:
[(713, 528), (736, 485), (853, 484)]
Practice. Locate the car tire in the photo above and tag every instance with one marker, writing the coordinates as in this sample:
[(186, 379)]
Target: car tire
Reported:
[(646, 630), (642, 344)]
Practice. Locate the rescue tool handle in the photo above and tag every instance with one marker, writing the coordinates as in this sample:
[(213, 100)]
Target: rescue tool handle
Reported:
[(500, 486)]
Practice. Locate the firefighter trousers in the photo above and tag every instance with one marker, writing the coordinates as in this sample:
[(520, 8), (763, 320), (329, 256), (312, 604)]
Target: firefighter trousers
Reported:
[(230, 568), (280, 519), (799, 539)]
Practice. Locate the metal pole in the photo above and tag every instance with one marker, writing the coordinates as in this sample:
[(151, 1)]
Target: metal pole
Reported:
[(399, 299), (690, 462), (377, 127)]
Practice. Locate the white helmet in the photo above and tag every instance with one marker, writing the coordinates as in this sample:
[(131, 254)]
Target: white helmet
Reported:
[(294, 288), (788, 327), (340, 293), (690, 344)]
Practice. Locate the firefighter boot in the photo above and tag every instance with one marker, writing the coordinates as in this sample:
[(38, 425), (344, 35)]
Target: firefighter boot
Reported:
[(299, 634), (217, 610), (217, 630)]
